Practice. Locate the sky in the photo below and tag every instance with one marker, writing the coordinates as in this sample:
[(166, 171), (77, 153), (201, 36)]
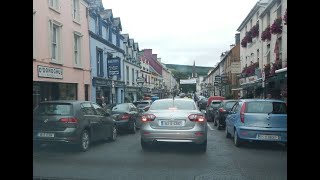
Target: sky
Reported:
[(182, 31)]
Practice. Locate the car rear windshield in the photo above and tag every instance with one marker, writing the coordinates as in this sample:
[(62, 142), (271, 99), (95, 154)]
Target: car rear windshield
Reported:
[(266, 107), (53, 109), (229, 105), (121, 108), (173, 104), (215, 104), (141, 104)]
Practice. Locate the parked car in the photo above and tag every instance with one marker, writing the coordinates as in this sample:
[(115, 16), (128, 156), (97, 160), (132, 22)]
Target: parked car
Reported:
[(144, 104), (199, 99), (211, 110), (203, 103), (222, 112), (174, 120), (257, 120), (74, 122), (127, 116)]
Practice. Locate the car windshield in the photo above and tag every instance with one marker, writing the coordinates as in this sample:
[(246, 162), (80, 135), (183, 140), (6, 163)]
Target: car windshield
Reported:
[(121, 108), (173, 104), (53, 109), (266, 107)]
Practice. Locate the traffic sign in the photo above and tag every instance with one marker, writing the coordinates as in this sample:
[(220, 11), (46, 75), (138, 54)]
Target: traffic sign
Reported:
[(263, 75)]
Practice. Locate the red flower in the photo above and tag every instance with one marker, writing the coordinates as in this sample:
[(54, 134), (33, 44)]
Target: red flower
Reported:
[(255, 31), (244, 42)]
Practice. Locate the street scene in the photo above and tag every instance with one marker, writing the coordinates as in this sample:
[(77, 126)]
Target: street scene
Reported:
[(125, 159), (164, 90)]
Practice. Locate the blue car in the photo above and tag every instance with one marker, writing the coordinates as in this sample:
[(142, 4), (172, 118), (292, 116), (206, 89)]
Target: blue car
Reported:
[(257, 120)]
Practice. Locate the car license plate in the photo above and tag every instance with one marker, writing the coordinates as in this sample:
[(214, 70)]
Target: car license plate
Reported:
[(171, 123), (268, 137), (45, 134)]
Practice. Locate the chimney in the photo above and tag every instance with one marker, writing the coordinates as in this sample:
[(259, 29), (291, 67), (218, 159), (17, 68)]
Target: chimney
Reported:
[(159, 60), (237, 37), (231, 46)]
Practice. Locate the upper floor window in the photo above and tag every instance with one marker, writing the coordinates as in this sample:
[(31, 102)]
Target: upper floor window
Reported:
[(127, 71), (99, 62), (76, 10), (77, 49), (55, 41), (54, 4), (98, 26)]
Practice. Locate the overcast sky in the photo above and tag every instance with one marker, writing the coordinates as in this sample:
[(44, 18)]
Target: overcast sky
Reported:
[(181, 31)]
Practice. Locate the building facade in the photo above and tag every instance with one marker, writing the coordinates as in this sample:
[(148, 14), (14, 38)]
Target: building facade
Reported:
[(106, 55), (61, 60)]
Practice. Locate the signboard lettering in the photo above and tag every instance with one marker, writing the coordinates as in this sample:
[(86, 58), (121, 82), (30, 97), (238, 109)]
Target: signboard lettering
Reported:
[(50, 72)]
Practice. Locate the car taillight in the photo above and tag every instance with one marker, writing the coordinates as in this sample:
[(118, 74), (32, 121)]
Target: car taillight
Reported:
[(242, 112), (196, 117), (72, 120), (222, 110), (124, 117), (148, 117)]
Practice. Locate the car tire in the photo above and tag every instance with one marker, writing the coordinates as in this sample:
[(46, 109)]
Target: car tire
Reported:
[(114, 133), (237, 141), (145, 146), (203, 146), (84, 141), (227, 133), (133, 128)]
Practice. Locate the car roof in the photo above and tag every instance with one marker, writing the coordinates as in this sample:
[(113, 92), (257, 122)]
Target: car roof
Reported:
[(65, 101), (176, 99), (266, 100)]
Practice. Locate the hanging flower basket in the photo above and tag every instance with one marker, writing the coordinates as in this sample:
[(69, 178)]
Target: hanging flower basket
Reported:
[(276, 27), (285, 18), (244, 42), (266, 34), (250, 70), (255, 31)]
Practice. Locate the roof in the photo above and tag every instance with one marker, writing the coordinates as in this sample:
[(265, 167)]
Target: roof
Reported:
[(126, 37), (266, 100), (117, 23), (268, 7), (251, 13)]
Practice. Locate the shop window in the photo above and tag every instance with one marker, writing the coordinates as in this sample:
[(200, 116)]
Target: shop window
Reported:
[(100, 62), (86, 92)]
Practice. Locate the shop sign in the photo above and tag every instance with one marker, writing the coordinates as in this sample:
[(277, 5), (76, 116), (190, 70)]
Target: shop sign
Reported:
[(140, 80), (235, 67), (131, 89), (106, 82), (217, 78), (50, 72), (114, 66)]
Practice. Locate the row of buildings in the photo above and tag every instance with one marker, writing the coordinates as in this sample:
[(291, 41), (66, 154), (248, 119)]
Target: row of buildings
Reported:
[(79, 53), (256, 64)]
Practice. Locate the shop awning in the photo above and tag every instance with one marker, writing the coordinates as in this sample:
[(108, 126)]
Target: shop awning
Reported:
[(236, 89), (252, 83), (281, 70)]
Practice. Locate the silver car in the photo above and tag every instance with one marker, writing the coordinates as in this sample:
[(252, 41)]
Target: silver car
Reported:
[(174, 120)]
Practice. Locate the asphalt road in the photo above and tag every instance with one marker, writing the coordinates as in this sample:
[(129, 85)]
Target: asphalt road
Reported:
[(124, 159)]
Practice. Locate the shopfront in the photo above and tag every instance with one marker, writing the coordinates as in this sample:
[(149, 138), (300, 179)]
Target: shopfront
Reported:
[(131, 94), (110, 90), (251, 87)]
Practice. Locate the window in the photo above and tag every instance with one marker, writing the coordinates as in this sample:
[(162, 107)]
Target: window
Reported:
[(278, 9), (98, 109), (54, 4), (266, 107), (137, 75), (132, 72), (251, 23), (98, 26), (127, 71), (76, 10), (268, 19), (50, 109), (258, 55), (268, 54), (257, 15), (176, 104), (55, 43), (99, 62), (77, 49), (87, 109)]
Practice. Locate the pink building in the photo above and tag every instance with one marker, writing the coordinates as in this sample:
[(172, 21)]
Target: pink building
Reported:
[(61, 59)]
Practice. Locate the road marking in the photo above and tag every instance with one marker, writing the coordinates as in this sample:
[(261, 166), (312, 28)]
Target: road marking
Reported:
[(210, 127)]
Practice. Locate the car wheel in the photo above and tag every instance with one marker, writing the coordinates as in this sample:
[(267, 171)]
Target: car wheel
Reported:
[(84, 141), (133, 129), (203, 146), (114, 133), (236, 139), (145, 145), (227, 133)]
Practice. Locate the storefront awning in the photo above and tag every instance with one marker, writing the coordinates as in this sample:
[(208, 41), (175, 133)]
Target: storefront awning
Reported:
[(252, 83), (237, 89), (281, 70)]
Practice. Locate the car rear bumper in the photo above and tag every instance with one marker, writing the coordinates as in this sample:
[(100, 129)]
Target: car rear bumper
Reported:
[(250, 133), (123, 124), (69, 135), (196, 135)]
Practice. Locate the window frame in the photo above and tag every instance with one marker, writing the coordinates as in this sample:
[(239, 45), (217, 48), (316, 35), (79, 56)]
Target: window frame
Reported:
[(99, 56), (76, 11), (79, 45), (53, 6), (58, 59)]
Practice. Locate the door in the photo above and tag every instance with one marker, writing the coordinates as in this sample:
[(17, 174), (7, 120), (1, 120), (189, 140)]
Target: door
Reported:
[(106, 121), (90, 116), (231, 118)]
